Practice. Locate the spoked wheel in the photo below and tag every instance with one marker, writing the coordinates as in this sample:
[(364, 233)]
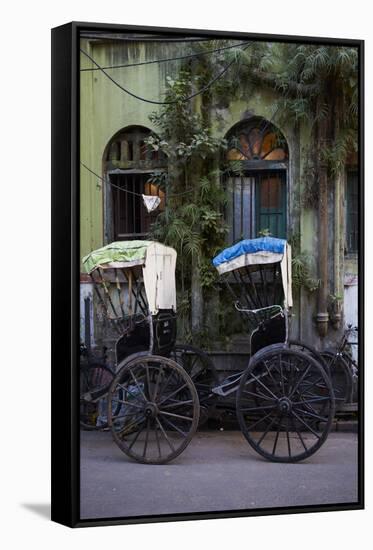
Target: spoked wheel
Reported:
[(341, 377), (285, 404), (203, 373), (95, 381), (153, 409), (301, 346)]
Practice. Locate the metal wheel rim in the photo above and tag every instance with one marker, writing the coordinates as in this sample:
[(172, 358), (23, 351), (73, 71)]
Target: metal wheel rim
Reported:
[(160, 409), (294, 416)]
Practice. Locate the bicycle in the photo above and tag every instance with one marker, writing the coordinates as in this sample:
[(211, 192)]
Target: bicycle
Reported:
[(343, 367)]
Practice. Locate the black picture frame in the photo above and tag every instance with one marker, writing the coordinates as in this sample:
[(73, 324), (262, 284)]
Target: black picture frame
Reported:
[(65, 274)]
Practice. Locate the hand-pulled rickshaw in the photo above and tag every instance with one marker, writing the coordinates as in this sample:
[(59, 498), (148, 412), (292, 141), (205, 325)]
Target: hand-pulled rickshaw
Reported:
[(284, 398)]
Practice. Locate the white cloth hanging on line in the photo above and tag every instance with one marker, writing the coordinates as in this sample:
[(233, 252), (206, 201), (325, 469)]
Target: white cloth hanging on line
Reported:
[(151, 202)]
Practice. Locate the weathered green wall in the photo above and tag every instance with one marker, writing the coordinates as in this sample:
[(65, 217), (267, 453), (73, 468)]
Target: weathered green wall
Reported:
[(105, 109)]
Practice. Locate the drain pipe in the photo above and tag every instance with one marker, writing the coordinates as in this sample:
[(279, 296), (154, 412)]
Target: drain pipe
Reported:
[(337, 306), (337, 315), (322, 317)]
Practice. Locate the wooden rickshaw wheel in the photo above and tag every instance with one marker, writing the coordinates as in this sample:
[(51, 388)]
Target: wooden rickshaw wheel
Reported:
[(153, 409), (285, 404)]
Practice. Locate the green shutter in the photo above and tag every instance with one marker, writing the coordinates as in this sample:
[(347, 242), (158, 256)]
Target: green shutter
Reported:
[(271, 203)]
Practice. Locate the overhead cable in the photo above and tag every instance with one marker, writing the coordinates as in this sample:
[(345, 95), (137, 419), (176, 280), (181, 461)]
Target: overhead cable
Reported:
[(171, 102), (164, 60)]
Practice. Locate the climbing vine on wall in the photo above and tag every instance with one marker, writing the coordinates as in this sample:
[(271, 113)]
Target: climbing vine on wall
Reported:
[(192, 221), (312, 85)]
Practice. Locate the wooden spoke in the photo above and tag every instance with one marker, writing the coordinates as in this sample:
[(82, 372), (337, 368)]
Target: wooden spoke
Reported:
[(157, 440), (263, 385), (128, 427), (175, 392), (136, 437), (148, 381), (169, 423), (137, 384), (154, 397), (128, 403), (312, 415), (165, 435), (176, 416), (287, 436), (277, 436), (146, 437), (135, 396), (269, 372), (164, 386), (305, 424), (267, 430), (260, 420), (299, 435), (299, 381)]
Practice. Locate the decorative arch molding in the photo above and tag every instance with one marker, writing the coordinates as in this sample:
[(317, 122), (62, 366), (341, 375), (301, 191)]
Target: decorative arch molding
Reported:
[(128, 163), (127, 149)]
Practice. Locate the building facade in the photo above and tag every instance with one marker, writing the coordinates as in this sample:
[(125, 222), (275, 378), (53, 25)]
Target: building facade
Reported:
[(269, 192)]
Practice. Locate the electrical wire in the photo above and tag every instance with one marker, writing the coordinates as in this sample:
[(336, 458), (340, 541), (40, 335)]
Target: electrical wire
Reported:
[(112, 184), (173, 102), (164, 60), (127, 190)]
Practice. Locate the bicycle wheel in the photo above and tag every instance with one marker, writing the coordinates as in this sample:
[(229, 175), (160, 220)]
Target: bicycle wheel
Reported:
[(95, 381), (285, 404), (159, 409), (354, 370), (340, 375)]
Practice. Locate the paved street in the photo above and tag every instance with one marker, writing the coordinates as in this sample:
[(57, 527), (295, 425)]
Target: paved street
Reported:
[(218, 471)]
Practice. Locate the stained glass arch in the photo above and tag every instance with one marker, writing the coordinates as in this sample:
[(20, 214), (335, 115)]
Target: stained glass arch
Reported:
[(256, 139)]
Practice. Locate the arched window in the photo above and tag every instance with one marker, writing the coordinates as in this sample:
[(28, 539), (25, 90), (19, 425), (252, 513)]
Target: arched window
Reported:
[(129, 164), (256, 184), (257, 141), (128, 149)]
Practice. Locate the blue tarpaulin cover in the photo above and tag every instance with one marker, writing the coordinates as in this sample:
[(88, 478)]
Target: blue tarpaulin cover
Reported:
[(250, 246)]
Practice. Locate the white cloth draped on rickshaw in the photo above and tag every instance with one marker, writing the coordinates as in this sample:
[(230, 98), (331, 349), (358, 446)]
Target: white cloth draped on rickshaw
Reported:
[(157, 261)]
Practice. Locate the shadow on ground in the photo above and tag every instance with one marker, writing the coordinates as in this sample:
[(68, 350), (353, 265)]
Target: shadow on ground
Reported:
[(42, 510)]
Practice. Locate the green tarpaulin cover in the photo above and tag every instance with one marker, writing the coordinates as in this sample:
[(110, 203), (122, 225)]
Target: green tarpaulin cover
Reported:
[(119, 251)]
